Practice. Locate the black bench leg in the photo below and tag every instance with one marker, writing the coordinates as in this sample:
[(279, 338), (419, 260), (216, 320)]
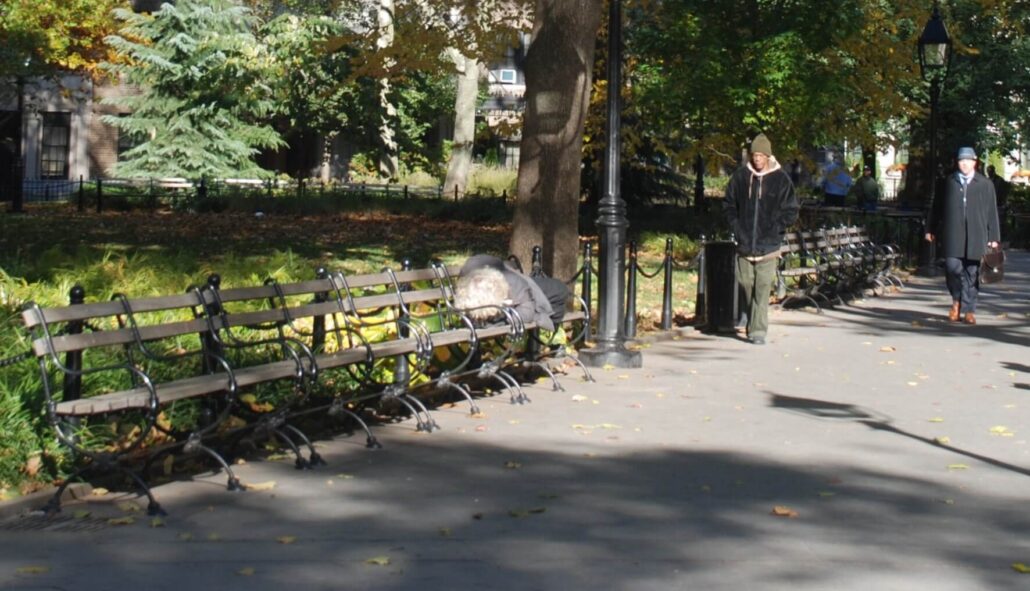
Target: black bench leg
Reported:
[(421, 425), (429, 422), (300, 463), (153, 507), (586, 373), (53, 506), (518, 396), (464, 392), (314, 458), (232, 483), (338, 408), (555, 385)]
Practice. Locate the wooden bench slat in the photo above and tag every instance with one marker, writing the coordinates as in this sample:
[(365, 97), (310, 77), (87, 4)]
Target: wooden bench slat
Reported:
[(175, 391)]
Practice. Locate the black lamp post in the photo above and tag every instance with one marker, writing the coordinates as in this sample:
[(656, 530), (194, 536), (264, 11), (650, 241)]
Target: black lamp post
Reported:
[(610, 348), (934, 63)]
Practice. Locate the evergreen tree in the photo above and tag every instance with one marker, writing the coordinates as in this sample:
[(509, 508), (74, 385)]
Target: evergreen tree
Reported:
[(200, 111)]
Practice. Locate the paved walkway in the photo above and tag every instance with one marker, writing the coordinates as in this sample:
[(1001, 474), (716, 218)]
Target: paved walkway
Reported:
[(898, 440)]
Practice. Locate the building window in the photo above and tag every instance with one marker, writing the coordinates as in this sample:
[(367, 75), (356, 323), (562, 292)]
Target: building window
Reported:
[(57, 131), (508, 76)]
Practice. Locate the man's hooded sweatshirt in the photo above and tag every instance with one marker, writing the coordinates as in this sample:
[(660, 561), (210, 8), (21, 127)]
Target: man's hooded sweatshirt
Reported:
[(759, 207)]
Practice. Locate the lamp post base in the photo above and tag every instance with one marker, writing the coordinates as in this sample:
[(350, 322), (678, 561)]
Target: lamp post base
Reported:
[(613, 354)]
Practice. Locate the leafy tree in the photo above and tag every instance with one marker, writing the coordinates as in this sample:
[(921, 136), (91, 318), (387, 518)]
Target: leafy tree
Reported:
[(808, 73), (312, 88), (204, 96), (55, 35)]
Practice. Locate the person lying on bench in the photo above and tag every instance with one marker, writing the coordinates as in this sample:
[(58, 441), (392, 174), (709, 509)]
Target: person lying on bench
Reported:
[(486, 280)]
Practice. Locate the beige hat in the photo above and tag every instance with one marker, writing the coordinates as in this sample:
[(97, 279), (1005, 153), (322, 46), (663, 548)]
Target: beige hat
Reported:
[(761, 145)]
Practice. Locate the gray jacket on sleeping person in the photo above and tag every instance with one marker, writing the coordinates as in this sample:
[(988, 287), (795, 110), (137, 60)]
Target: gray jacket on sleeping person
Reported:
[(486, 280)]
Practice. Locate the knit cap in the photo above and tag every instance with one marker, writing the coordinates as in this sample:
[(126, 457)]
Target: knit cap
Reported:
[(761, 145)]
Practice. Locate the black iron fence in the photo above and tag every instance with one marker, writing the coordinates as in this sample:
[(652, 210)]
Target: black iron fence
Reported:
[(129, 193)]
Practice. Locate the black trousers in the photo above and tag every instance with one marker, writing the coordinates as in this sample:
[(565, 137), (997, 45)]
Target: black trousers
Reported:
[(963, 279)]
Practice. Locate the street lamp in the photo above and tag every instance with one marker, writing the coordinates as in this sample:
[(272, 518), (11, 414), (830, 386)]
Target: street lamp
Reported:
[(610, 347), (934, 63)]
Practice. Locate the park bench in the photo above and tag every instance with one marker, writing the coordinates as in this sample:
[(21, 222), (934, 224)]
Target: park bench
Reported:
[(173, 373), (834, 264)]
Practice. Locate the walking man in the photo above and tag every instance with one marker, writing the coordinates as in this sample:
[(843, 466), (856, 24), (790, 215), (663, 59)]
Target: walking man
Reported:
[(965, 219), (760, 204)]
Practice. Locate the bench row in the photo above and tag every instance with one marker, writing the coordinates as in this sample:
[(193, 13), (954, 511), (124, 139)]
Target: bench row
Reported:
[(179, 372)]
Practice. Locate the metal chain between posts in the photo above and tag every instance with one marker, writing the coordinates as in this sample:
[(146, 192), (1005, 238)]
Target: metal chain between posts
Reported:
[(16, 359)]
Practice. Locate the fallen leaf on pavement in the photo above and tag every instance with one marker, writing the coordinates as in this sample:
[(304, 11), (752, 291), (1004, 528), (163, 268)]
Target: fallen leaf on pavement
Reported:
[(957, 467), (82, 514), (887, 349), (579, 398), (1021, 568), (285, 540), (942, 440), (33, 570), (936, 420), (157, 522), (378, 560), (128, 520), (247, 571), (782, 511), (269, 485), (99, 491), (511, 465), (185, 536)]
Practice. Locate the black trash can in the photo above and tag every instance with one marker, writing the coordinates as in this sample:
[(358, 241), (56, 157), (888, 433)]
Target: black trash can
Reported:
[(721, 300)]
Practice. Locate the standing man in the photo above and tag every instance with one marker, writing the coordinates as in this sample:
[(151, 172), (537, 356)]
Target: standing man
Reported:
[(867, 190), (760, 204), (965, 219), (836, 184)]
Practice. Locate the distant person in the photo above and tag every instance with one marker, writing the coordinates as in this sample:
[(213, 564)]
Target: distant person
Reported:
[(867, 190), (760, 205), (965, 219), (836, 184)]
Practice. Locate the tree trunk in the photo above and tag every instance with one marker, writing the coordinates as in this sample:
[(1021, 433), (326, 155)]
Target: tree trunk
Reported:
[(558, 67), (388, 166), (464, 125)]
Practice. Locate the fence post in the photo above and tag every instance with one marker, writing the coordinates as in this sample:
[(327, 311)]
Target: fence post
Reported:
[(100, 195), (402, 373), (631, 292), (455, 192), (406, 196), (667, 295), (588, 282), (82, 194), (439, 192), (318, 328), (537, 268), (700, 303), (73, 359)]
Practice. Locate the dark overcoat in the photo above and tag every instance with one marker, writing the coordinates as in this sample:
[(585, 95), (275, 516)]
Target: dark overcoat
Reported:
[(965, 219)]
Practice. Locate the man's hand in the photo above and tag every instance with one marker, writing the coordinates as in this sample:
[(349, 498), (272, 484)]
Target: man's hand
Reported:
[(929, 237)]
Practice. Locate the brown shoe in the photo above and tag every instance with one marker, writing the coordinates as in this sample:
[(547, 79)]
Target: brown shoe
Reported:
[(970, 318), (953, 313)]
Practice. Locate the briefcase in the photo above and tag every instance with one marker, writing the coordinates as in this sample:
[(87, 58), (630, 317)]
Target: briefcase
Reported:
[(992, 265)]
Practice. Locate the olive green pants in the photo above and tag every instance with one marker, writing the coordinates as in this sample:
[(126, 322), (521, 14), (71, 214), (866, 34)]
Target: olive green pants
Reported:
[(757, 280)]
